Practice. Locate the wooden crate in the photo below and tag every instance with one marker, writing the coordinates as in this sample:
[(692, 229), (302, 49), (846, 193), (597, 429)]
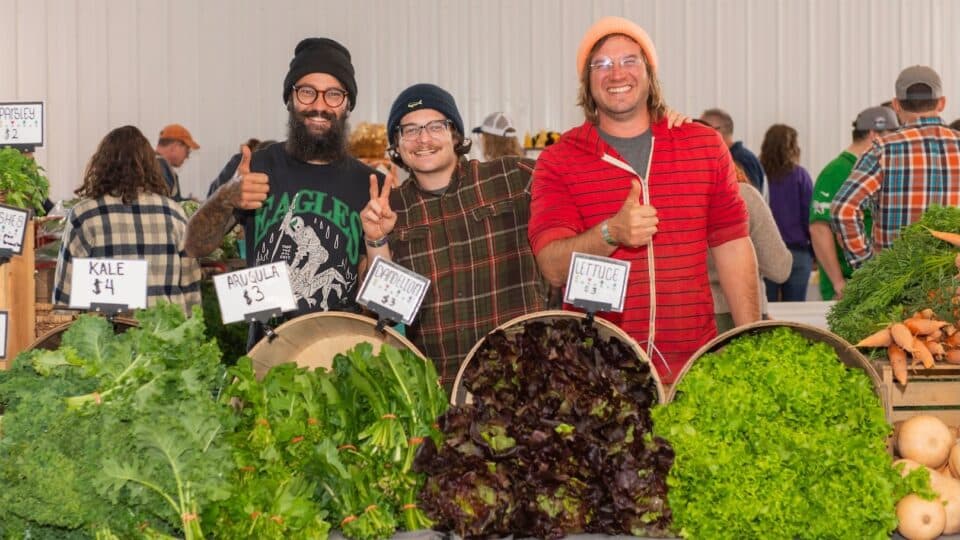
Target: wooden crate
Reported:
[(934, 391)]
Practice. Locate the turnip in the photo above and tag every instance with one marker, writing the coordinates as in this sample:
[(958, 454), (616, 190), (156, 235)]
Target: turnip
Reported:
[(948, 488), (920, 519), (926, 440), (954, 461)]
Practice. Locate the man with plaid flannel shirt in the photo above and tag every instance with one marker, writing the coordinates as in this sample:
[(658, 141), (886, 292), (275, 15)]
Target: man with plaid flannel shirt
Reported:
[(904, 173), (462, 223)]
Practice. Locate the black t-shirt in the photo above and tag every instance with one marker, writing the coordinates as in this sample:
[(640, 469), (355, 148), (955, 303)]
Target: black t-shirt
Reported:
[(310, 220)]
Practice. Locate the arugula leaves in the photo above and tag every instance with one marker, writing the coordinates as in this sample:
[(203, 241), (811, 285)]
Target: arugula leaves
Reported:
[(318, 449)]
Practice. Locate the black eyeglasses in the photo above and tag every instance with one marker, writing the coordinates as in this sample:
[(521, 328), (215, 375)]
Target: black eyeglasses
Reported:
[(436, 129), (307, 95)]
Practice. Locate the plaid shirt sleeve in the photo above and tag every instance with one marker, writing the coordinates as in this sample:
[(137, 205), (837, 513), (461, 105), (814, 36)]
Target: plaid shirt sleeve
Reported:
[(848, 206), (72, 245)]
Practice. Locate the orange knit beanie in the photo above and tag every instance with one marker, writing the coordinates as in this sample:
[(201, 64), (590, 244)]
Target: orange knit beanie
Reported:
[(615, 25)]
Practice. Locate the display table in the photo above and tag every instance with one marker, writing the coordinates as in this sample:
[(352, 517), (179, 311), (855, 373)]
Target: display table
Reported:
[(812, 313)]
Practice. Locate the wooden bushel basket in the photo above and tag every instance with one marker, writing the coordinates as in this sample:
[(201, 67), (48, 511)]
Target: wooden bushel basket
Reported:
[(313, 340), (847, 353), (606, 330), (50, 340)]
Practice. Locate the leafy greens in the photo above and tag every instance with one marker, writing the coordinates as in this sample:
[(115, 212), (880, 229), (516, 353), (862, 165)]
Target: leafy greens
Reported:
[(776, 438), (557, 441)]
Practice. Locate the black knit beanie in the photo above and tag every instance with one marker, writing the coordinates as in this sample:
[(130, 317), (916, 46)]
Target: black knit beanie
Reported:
[(422, 96), (321, 55)]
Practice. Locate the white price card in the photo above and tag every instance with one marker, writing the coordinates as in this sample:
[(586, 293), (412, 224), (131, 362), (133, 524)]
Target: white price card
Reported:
[(597, 283), (13, 228), (243, 294), (4, 327), (112, 282), (21, 124), (393, 291)]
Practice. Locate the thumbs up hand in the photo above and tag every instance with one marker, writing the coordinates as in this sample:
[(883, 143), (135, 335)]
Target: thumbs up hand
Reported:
[(635, 223), (253, 186)]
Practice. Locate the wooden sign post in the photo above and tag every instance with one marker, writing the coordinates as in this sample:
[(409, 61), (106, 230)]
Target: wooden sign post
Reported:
[(18, 298)]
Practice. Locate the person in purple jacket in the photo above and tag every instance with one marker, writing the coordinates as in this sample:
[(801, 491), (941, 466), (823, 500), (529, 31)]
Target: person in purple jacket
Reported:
[(791, 191)]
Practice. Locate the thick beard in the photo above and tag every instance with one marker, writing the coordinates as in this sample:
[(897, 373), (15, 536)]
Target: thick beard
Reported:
[(327, 147)]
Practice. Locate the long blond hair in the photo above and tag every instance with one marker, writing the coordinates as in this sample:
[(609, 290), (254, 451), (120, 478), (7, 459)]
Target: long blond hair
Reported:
[(496, 146), (656, 105)]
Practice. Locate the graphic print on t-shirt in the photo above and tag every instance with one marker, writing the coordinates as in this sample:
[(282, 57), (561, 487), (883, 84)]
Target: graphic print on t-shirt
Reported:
[(318, 236)]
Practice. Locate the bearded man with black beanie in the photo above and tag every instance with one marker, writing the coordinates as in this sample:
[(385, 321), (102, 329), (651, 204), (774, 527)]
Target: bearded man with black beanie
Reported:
[(299, 201)]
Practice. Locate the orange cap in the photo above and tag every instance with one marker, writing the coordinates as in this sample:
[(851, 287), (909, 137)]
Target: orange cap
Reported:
[(179, 133), (615, 25)]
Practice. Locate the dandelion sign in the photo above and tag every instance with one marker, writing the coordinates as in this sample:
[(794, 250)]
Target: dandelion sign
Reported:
[(392, 291)]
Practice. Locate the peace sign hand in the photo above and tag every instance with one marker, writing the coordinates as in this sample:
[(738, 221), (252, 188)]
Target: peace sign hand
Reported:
[(377, 218)]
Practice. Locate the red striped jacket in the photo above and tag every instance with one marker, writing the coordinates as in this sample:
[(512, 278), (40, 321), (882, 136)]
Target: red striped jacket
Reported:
[(691, 183)]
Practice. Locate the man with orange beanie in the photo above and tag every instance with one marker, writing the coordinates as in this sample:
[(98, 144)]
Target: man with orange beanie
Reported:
[(625, 185)]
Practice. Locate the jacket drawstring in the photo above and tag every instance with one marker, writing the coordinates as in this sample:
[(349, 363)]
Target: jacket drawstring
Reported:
[(652, 351)]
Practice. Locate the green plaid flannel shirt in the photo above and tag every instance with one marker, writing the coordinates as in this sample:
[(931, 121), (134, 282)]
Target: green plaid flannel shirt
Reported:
[(471, 242)]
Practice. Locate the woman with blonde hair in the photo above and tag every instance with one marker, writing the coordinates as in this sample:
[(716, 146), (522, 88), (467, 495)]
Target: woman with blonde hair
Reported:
[(126, 213), (791, 191)]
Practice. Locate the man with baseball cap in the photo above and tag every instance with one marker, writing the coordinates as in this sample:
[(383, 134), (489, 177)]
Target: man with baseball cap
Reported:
[(625, 185), (173, 148), (299, 201), (462, 223), (903, 173), (871, 124)]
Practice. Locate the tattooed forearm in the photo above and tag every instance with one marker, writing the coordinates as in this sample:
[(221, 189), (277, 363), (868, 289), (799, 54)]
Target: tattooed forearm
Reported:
[(211, 222)]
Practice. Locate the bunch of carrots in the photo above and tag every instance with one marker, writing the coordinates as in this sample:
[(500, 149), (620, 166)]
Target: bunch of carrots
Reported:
[(921, 336), (925, 338)]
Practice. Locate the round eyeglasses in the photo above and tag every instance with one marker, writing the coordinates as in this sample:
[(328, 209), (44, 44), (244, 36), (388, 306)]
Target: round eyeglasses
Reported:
[(307, 95)]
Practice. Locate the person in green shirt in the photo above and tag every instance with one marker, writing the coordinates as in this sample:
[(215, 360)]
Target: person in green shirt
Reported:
[(834, 268)]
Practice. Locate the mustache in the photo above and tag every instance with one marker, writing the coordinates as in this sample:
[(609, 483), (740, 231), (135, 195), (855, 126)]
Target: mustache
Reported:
[(326, 115)]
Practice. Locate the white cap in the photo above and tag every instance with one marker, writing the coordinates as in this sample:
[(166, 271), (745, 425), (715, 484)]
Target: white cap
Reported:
[(496, 124)]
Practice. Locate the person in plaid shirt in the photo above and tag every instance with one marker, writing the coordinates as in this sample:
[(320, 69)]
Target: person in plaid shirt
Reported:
[(127, 213), (904, 173), (461, 223)]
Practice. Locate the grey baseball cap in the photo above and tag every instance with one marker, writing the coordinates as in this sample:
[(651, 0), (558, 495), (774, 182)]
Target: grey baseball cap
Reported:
[(919, 75), (876, 119)]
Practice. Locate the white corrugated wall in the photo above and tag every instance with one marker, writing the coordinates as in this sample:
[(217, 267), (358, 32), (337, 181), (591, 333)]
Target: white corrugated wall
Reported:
[(217, 66)]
